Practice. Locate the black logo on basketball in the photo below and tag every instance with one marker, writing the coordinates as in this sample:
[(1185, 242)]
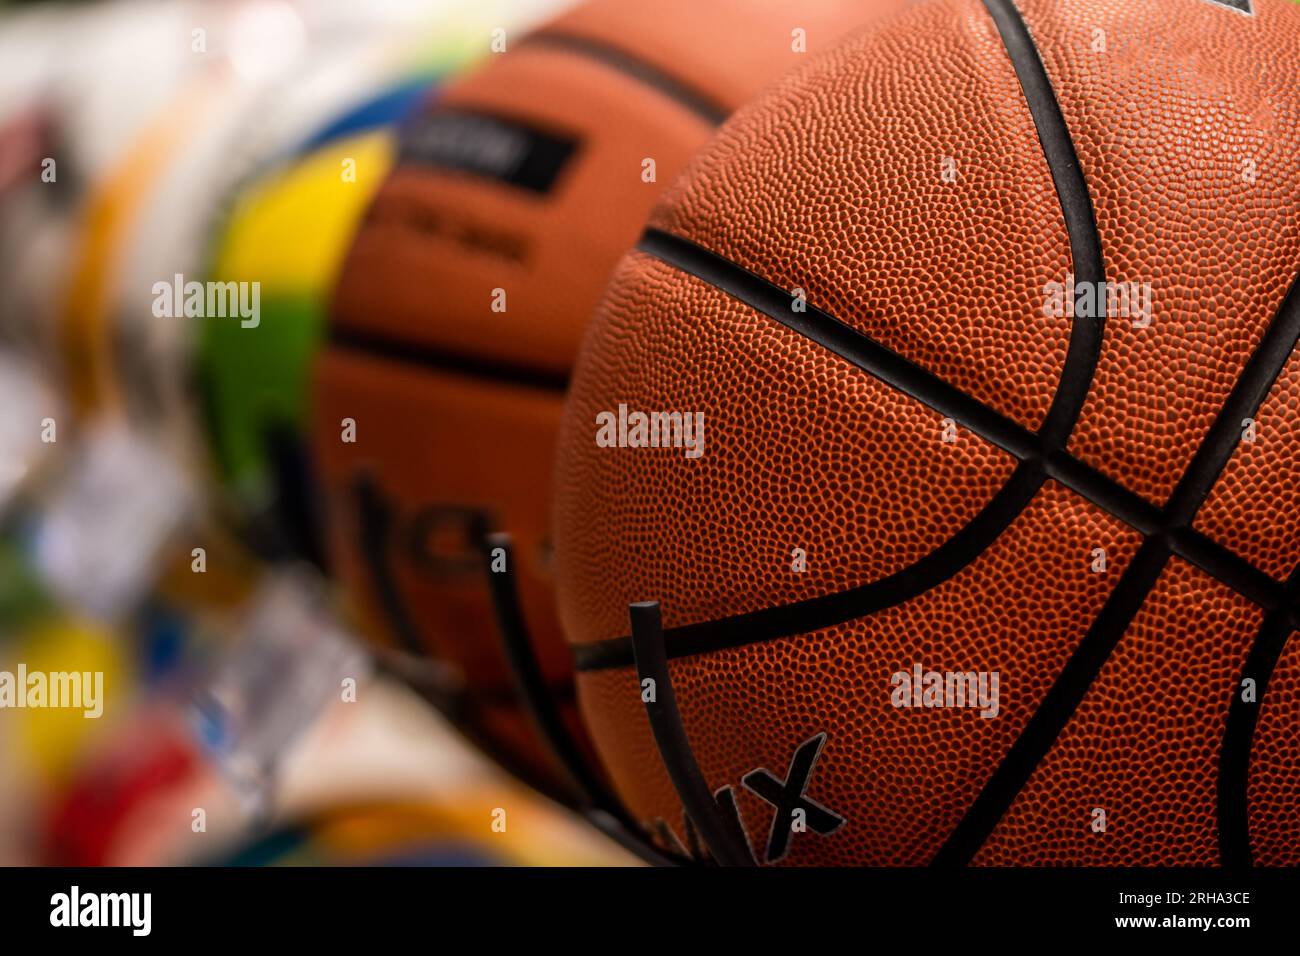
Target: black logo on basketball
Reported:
[(789, 798), (1241, 6)]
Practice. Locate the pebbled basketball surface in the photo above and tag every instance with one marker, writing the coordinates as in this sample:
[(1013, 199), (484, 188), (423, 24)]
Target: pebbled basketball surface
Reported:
[(1096, 507)]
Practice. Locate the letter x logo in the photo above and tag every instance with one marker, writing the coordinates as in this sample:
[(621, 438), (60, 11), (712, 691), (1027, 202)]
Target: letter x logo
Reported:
[(788, 797)]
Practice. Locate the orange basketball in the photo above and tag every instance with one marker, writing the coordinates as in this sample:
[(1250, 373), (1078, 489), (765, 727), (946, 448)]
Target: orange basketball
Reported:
[(464, 297), (948, 409)]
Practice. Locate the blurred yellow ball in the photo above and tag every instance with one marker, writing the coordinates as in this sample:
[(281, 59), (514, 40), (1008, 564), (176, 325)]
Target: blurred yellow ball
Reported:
[(51, 738)]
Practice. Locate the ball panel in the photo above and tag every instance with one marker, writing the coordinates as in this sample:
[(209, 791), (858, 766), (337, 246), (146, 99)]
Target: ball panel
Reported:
[(901, 776), (1273, 782), (1169, 122), (802, 451), (1254, 509), (492, 457), (900, 182), (1144, 744)]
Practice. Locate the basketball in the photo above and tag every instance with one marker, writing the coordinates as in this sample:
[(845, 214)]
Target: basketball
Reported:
[(462, 303), (940, 434)]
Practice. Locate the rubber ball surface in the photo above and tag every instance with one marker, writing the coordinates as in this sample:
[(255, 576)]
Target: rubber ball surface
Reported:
[(982, 546)]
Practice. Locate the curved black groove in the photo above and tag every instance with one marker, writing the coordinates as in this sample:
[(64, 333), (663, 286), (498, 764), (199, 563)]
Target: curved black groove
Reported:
[(599, 806), (375, 526), (1239, 735), (1255, 382), (1076, 206), (1239, 732), (377, 346), (295, 494), (530, 683), (638, 69), (1187, 543), (714, 815), (1248, 392), (817, 613), (1056, 708), (443, 689), (439, 685)]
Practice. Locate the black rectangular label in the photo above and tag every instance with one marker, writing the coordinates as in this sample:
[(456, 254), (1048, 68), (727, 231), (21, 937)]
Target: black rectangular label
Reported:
[(487, 146)]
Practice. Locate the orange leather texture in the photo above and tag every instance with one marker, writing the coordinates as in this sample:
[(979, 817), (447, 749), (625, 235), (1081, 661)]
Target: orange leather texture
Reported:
[(801, 451), (902, 778), (1255, 507), (845, 164), (832, 182), (1144, 745), (420, 270), (1273, 782)]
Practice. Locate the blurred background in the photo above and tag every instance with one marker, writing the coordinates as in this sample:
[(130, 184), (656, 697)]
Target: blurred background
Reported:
[(243, 721)]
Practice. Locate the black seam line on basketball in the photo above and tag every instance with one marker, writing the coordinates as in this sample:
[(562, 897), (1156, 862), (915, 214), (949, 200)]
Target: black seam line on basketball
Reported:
[(644, 72), (849, 344), (789, 620), (1239, 730), (815, 614), (452, 363), (1057, 707), (1076, 207), (1248, 393), (1238, 737), (374, 539), (1228, 568), (1254, 383), (1147, 519)]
